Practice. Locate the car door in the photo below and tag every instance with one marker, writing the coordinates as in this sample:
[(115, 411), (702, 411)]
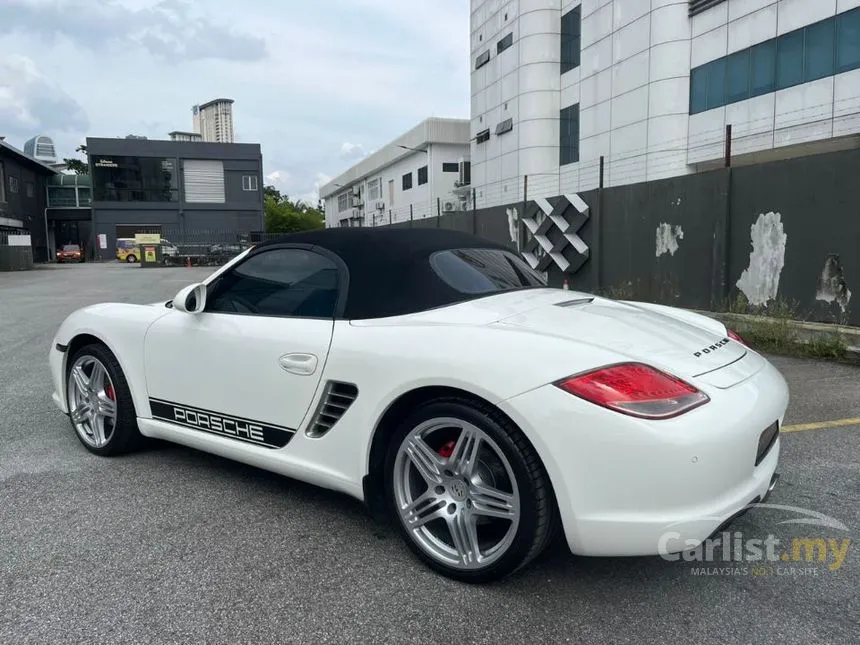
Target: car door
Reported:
[(248, 365)]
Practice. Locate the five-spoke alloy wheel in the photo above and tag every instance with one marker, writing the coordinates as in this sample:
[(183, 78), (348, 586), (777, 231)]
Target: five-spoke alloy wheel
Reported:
[(100, 405), (468, 491)]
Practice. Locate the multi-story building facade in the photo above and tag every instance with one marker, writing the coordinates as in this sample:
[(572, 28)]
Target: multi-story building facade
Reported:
[(179, 135), (650, 86), (421, 173), (202, 190), (214, 120)]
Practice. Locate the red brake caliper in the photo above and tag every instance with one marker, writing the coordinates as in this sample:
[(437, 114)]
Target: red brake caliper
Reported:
[(446, 449), (109, 392)]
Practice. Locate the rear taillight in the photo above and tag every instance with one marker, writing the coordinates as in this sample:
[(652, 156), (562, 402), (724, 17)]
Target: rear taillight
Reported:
[(736, 336), (637, 390)]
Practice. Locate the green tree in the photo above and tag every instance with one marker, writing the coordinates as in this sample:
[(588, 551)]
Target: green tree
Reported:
[(283, 215), (78, 166)]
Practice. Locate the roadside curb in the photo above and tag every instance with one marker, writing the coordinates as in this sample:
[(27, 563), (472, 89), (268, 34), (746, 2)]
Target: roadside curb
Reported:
[(803, 332)]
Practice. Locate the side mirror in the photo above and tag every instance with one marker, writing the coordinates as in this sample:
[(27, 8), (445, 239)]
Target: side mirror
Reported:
[(191, 299)]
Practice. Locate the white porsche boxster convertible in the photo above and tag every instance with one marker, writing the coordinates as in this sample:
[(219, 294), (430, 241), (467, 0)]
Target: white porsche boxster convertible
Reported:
[(433, 375)]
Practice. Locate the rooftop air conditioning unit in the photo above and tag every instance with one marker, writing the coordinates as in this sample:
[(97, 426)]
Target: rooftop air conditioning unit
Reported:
[(356, 190), (356, 200), (449, 206)]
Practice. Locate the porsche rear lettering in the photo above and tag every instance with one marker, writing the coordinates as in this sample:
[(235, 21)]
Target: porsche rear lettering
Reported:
[(244, 430), (220, 424), (712, 348)]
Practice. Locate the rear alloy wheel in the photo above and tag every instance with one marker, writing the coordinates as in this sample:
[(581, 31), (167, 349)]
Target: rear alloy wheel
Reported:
[(131, 259), (100, 405), (470, 494)]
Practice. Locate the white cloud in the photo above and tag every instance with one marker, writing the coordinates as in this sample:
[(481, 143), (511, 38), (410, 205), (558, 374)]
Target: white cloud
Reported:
[(277, 178), (350, 151)]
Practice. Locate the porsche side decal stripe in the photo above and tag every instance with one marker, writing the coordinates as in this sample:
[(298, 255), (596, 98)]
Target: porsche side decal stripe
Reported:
[(251, 431)]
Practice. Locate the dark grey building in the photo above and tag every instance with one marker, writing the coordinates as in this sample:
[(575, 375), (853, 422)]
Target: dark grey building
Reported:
[(23, 180), (183, 189)]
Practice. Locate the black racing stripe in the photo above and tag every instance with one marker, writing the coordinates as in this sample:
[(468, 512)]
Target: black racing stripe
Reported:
[(251, 431)]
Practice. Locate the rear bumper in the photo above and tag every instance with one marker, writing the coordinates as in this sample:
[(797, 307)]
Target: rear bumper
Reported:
[(629, 486)]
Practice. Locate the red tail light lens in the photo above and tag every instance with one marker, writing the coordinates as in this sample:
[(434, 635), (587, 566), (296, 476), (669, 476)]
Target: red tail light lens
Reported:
[(637, 390), (736, 336)]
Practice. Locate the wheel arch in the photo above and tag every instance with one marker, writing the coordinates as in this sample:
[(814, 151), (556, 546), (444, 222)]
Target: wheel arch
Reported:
[(82, 339), (373, 481)]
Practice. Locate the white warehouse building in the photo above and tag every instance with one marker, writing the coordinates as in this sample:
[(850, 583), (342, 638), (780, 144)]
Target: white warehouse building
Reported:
[(420, 173), (651, 85)]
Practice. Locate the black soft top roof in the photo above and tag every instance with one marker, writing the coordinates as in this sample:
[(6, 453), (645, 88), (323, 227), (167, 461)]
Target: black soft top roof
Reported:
[(389, 269)]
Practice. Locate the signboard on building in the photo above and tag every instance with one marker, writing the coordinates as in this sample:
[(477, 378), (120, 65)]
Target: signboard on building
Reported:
[(147, 238), (102, 240), (18, 240)]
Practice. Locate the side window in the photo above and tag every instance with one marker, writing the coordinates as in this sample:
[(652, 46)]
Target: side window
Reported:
[(280, 282)]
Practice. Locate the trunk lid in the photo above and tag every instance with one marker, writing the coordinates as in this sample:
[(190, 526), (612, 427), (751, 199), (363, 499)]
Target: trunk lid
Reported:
[(636, 333)]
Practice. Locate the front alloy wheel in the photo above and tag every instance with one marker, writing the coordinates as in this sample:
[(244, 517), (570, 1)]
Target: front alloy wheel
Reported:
[(469, 493), (100, 405), (92, 401)]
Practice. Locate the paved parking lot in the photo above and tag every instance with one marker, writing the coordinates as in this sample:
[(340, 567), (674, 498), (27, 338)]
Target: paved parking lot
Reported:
[(171, 545)]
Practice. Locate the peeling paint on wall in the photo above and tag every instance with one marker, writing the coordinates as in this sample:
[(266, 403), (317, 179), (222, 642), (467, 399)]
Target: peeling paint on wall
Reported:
[(832, 286), (667, 238), (760, 281)]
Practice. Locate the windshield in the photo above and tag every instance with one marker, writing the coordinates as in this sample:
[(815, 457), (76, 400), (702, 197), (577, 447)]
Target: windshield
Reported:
[(71, 247), (477, 271)]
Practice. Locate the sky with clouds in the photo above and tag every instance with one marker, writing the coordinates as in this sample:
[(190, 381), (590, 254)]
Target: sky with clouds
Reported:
[(318, 83)]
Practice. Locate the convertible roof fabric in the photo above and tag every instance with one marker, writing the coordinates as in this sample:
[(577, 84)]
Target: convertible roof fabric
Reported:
[(389, 269)]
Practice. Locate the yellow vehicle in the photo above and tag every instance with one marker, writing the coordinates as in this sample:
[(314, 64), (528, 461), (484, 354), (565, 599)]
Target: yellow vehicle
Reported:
[(127, 250)]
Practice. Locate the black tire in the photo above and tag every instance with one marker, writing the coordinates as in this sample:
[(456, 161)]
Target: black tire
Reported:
[(126, 436), (131, 259), (537, 523)]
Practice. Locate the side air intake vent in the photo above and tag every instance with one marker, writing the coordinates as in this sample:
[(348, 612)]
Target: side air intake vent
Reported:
[(335, 400)]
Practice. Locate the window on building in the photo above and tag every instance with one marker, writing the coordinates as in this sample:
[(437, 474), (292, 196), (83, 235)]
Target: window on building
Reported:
[(738, 76), (422, 175), (698, 90), (343, 202), (569, 135), (13, 185), (716, 83), (448, 166), (570, 39), (2, 183), (763, 68), (819, 55), (84, 196), (407, 181), (62, 197), (249, 182), (135, 179), (483, 135), (505, 126), (504, 43), (29, 189), (848, 41), (281, 282), (789, 59), (482, 60), (374, 189)]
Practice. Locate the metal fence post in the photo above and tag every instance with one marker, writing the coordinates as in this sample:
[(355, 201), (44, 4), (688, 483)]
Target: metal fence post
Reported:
[(598, 219), (410, 216), (389, 215), (520, 228), (438, 212), (474, 214)]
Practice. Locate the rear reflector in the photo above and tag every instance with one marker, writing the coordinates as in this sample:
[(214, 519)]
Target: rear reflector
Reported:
[(637, 390)]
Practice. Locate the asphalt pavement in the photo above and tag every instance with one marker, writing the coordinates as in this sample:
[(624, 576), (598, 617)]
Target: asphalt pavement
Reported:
[(170, 545)]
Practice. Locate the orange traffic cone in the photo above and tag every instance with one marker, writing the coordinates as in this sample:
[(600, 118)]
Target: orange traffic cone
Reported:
[(188, 262)]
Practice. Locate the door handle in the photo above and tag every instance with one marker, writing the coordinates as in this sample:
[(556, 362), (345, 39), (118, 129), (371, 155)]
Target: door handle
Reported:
[(301, 364)]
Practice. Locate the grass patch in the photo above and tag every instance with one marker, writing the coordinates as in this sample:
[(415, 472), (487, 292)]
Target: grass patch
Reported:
[(773, 331)]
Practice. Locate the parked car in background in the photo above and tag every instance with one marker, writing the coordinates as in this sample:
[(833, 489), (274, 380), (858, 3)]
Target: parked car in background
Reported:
[(70, 253), (128, 250)]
